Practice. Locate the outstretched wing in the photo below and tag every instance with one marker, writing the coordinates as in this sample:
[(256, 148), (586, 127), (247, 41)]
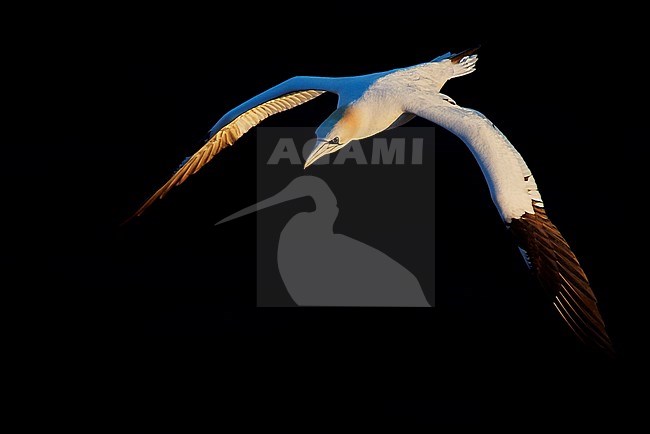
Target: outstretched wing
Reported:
[(551, 260), (237, 122), (515, 194)]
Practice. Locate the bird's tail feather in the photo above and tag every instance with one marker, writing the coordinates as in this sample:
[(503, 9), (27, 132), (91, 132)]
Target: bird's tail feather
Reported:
[(464, 66), (467, 65), (458, 57), (463, 63)]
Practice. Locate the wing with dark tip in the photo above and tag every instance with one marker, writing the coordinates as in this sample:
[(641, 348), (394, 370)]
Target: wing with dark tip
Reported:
[(560, 274), (514, 192)]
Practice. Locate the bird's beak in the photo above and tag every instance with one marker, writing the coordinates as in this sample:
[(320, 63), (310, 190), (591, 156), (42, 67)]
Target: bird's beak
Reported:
[(318, 152)]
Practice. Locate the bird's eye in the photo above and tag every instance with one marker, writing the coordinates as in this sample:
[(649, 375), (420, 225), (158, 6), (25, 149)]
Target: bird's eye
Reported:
[(334, 141)]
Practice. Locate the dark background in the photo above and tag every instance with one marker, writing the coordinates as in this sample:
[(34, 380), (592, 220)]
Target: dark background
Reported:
[(156, 320)]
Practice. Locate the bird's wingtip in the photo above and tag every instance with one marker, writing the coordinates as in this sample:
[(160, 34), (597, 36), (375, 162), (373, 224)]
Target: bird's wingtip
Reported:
[(129, 219)]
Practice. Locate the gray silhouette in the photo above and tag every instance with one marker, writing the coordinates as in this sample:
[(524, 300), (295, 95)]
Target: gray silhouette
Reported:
[(322, 268)]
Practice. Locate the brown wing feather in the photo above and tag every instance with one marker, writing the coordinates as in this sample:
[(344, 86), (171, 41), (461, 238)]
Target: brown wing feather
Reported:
[(229, 135), (560, 273)]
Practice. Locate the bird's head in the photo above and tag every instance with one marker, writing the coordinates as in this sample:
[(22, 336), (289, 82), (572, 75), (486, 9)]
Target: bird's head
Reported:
[(339, 129)]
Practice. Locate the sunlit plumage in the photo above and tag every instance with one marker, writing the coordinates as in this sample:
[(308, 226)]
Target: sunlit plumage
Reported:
[(372, 103)]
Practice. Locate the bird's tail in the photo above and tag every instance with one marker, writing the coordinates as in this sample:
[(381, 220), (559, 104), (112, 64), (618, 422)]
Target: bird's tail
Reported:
[(463, 63)]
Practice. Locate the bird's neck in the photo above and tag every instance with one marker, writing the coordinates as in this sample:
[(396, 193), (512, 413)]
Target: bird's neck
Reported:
[(373, 118)]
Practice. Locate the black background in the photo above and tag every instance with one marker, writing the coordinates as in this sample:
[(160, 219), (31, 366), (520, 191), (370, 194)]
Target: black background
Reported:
[(156, 321)]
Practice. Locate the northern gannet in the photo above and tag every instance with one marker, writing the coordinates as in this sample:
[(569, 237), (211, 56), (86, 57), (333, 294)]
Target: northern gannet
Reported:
[(370, 104)]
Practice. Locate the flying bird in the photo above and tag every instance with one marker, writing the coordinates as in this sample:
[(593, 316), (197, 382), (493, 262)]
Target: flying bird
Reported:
[(370, 104)]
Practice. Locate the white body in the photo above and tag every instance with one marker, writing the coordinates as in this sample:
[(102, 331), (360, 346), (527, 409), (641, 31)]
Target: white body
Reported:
[(373, 103), (388, 99), (416, 90)]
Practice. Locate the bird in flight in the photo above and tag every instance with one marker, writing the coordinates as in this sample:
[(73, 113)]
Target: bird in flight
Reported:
[(370, 104)]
